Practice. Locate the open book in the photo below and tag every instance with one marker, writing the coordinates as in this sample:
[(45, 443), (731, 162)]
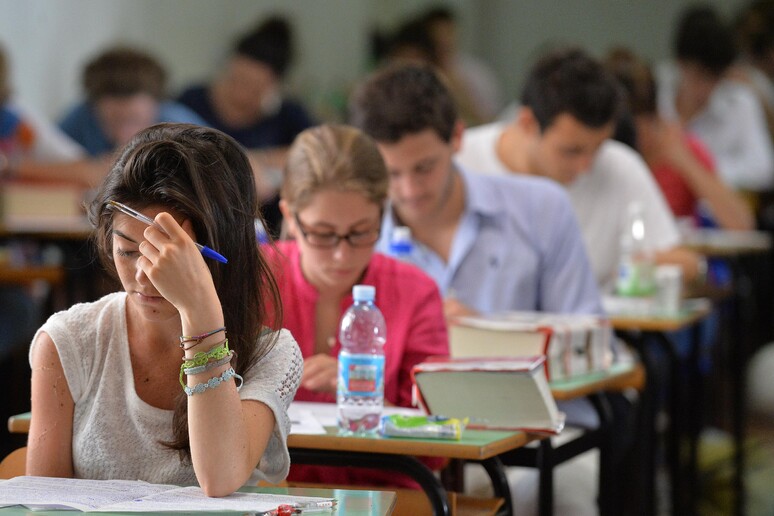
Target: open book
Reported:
[(45, 493), (573, 344), (503, 393)]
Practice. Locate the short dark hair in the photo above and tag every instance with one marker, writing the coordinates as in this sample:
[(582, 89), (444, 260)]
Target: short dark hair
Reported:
[(702, 38), (123, 72), (403, 99), (439, 13), (413, 35), (755, 28), (271, 43), (570, 81)]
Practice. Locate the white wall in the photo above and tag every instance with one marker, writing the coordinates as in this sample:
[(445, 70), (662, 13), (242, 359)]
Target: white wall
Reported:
[(49, 40)]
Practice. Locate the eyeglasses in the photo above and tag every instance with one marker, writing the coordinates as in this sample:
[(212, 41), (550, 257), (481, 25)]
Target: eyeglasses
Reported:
[(330, 240)]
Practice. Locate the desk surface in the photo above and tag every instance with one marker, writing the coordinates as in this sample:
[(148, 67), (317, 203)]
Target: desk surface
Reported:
[(617, 378), (350, 502), (68, 229), (27, 274), (726, 243), (693, 311), (475, 445)]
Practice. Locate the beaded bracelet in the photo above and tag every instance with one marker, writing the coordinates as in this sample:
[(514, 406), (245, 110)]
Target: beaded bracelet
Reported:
[(209, 365), (214, 382), (198, 338), (202, 357)]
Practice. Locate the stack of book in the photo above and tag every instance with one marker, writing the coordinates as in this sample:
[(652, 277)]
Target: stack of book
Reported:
[(572, 344)]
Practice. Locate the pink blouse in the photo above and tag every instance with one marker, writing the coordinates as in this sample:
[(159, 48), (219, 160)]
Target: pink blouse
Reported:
[(416, 329), (406, 296)]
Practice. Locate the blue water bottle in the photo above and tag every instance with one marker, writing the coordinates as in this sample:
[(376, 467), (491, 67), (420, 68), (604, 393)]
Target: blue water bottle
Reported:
[(360, 390)]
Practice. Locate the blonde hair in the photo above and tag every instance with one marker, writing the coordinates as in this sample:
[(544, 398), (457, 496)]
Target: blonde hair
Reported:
[(337, 157)]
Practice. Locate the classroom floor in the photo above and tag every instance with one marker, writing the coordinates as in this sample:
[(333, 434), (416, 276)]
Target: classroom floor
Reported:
[(716, 470)]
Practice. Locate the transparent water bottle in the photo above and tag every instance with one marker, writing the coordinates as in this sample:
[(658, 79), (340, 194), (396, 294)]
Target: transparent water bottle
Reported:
[(401, 244), (360, 389), (636, 266)]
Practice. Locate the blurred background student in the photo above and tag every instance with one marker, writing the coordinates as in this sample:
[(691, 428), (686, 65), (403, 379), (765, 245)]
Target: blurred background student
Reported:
[(724, 114), (681, 164), (246, 101), (125, 93), (332, 201)]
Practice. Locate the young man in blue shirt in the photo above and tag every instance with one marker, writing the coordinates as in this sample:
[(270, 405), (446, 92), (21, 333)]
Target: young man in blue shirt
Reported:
[(491, 243)]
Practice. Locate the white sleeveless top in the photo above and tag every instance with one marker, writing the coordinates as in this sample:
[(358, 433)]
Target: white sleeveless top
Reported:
[(116, 435)]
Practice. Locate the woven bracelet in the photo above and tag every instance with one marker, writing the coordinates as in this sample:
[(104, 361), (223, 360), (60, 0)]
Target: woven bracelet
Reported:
[(202, 357), (198, 338), (214, 382), (209, 365)]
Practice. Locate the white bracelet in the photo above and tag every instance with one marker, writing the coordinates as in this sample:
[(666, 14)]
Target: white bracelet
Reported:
[(214, 382)]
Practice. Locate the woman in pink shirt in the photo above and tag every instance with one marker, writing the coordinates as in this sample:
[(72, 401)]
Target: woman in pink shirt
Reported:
[(332, 201)]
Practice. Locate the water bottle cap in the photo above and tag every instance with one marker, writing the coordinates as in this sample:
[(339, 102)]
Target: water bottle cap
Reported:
[(401, 234), (363, 292)]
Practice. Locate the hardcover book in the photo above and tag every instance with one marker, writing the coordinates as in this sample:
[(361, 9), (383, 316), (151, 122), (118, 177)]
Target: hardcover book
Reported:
[(498, 393)]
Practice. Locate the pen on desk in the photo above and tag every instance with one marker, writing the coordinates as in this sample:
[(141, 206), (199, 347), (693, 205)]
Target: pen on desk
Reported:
[(206, 251), (291, 509), (307, 506)]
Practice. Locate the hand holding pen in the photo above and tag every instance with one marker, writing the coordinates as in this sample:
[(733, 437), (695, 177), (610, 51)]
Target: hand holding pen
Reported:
[(168, 258), (206, 251)]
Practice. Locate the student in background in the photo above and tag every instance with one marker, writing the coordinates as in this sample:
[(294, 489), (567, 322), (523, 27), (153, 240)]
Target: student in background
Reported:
[(246, 101), (680, 163), (490, 243), (125, 93), (110, 396), (569, 107), (332, 201), (754, 32), (723, 113), (471, 76), (26, 140)]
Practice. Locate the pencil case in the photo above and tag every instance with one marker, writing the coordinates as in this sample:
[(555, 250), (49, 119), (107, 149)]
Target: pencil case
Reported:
[(425, 427)]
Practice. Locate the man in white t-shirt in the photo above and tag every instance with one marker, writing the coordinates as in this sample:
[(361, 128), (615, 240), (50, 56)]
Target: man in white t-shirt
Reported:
[(562, 131)]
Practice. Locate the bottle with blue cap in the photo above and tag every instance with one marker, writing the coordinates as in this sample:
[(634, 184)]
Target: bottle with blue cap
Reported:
[(360, 387), (401, 243)]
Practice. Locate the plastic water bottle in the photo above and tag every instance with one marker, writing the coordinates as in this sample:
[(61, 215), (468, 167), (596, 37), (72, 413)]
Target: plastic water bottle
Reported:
[(401, 244), (636, 266), (360, 391)]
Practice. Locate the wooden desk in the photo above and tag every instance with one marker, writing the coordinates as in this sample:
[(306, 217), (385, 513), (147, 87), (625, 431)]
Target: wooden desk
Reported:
[(643, 331), (399, 455), (70, 229), (393, 453), (723, 243), (350, 502), (26, 275), (736, 248), (482, 446)]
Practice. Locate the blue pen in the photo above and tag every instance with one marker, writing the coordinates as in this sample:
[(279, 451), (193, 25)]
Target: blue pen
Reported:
[(206, 251)]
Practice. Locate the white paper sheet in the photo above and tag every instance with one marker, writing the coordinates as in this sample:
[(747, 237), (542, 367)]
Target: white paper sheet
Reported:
[(40, 493), (312, 418)]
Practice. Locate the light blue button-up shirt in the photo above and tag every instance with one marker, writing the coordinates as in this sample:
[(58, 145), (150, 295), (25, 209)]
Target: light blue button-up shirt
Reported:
[(518, 247)]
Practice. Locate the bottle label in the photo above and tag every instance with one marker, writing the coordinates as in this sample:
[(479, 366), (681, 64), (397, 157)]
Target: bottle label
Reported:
[(635, 278), (362, 375)]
